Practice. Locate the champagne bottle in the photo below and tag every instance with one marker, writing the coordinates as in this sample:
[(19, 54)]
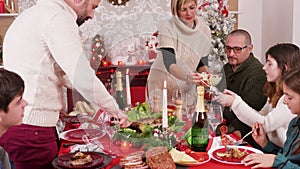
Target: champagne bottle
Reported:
[(119, 95), (200, 123)]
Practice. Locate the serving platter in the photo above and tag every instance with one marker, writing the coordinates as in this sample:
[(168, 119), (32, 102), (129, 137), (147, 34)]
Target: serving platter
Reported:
[(75, 135), (230, 160)]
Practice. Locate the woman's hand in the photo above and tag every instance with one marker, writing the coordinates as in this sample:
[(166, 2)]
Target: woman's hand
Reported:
[(225, 98), (259, 134), (123, 119), (259, 160), (193, 78)]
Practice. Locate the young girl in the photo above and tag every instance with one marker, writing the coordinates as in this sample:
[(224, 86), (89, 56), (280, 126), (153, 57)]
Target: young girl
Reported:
[(288, 156), (280, 58)]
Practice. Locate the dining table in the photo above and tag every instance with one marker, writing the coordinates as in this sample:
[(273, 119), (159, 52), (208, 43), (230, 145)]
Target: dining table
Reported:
[(114, 164)]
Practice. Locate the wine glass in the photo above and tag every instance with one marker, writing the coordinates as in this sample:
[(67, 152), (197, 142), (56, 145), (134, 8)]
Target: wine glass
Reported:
[(215, 73), (215, 116), (111, 126), (190, 102), (176, 97)]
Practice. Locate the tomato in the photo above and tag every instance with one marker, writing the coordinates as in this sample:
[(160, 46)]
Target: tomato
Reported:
[(199, 156), (125, 146), (188, 151)]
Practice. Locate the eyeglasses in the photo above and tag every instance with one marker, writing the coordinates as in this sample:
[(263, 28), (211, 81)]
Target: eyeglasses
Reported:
[(235, 49)]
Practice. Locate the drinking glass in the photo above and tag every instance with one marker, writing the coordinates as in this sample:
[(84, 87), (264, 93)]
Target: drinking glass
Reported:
[(190, 102), (215, 116), (111, 126), (176, 96)]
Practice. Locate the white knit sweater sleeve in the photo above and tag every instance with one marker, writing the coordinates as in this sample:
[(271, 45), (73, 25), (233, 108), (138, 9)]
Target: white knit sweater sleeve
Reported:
[(271, 118), (69, 54)]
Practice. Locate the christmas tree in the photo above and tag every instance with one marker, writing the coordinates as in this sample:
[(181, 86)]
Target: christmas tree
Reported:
[(221, 23), (98, 51)]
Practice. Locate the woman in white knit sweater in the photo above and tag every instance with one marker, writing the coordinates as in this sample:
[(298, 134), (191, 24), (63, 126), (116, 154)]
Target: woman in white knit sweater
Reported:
[(182, 41), (280, 58)]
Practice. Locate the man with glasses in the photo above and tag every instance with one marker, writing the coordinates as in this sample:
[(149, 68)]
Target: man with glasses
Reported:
[(244, 76)]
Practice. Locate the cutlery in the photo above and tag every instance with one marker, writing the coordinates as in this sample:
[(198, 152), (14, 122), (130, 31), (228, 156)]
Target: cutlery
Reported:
[(68, 144), (240, 141)]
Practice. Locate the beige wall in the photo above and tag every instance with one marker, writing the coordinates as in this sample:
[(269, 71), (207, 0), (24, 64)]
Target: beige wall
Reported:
[(270, 22)]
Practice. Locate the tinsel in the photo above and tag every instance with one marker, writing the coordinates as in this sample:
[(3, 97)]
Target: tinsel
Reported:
[(221, 23)]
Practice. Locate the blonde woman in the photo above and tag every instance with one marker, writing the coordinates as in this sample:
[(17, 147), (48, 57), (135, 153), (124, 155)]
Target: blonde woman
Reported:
[(183, 40)]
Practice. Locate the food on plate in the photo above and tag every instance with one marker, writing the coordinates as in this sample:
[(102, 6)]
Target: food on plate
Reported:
[(199, 156), (159, 157), (188, 151), (233, 153), (80, 158), (225, 140), (134, 160), (181, 157), (83, 108)]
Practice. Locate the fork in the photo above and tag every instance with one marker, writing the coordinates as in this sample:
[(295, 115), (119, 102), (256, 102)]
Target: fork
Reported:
[(240, 141)]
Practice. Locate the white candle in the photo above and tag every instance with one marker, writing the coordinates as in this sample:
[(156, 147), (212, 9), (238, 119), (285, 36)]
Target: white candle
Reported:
[(128, 95), (165, 107), (12, 6)]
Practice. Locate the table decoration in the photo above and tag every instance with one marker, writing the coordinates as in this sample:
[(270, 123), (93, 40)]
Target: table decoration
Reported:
[(146, 129), (165, 110), (128, 94)]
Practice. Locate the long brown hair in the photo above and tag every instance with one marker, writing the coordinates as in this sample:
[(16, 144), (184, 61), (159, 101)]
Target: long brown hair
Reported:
[(292, 81), (287, 56)]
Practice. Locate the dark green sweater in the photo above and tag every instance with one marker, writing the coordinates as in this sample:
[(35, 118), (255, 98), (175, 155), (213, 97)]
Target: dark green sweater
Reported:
[(247, 82)]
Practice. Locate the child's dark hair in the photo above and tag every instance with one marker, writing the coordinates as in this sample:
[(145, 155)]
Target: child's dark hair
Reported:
[(11, 85)]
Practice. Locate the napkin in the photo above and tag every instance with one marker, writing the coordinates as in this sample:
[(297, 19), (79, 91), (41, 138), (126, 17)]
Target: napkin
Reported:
[(217, 141), (90, 147)]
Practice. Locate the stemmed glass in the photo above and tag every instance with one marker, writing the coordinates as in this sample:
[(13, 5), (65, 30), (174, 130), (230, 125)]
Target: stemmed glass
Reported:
[(190, 102), (215, 116), (215, 72), (111, 126)]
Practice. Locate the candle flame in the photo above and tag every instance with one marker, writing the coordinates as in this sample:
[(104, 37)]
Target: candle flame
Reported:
[(127, 71), (165, 84)]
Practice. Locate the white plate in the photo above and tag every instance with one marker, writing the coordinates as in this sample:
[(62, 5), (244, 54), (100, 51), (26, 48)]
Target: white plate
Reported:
[(250, 149), (192, 164)]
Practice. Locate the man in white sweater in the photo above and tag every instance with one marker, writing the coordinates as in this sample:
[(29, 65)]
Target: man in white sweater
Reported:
[(44, 47)]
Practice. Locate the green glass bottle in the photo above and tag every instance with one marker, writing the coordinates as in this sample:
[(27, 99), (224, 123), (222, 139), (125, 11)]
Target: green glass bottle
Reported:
[(200, 124), (119, 94)]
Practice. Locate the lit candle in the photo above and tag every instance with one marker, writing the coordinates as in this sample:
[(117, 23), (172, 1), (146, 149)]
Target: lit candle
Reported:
[(119, 63), (12, 6), (128, 95), (105, 63), (165, 107)]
